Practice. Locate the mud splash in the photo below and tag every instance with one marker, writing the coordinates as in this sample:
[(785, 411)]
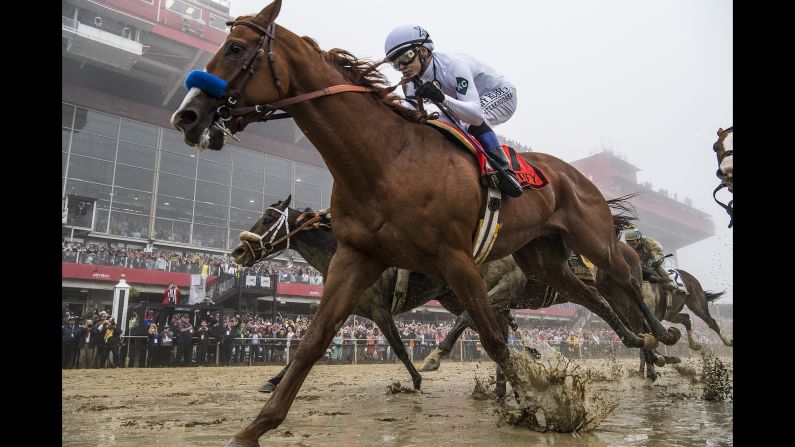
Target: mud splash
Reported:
[(396, 388), (715, 377), (554, 393)]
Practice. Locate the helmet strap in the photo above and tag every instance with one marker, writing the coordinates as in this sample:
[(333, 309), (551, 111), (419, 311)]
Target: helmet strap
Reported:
[(423, 63)]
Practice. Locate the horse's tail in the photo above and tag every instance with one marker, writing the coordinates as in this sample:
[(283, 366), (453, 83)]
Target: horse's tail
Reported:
[(623, 221), (712, 296)]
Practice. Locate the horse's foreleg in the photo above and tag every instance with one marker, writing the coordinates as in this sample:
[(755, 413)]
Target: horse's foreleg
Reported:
[(684, 319), (350, 273), (463, 277), (632, 287), (433, 360), (549, 258), (383, 318)]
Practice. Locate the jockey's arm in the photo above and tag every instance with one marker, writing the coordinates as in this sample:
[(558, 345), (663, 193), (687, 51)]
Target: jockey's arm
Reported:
[(655, 248), (466, 104)]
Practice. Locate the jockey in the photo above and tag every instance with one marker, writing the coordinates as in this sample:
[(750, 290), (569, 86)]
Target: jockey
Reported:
[(473, 91), (650, 251)]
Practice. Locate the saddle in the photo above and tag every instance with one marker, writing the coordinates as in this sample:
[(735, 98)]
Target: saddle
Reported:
[(529, 176)]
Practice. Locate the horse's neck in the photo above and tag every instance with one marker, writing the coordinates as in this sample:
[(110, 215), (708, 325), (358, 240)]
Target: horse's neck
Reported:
[(354, 135), (316, 247)]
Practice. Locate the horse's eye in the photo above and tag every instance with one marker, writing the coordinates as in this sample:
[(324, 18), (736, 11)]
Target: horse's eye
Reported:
[(235, 49)]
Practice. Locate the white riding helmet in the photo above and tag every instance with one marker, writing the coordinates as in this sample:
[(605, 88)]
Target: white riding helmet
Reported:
[(404, 37)]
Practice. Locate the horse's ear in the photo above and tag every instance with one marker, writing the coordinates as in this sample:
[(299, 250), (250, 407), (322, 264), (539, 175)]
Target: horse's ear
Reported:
[(269, 13), (287, 200), (720, 131)]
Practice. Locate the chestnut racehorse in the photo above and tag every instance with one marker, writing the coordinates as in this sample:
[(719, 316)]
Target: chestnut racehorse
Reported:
[(404, 195)]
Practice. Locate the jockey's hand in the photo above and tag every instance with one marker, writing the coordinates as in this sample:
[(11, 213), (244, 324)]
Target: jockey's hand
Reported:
[(430, 91)]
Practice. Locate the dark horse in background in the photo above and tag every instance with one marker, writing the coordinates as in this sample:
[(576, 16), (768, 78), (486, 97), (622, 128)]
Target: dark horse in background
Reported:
[(668, 306), (724, 151), (505, 281), (404, 195)]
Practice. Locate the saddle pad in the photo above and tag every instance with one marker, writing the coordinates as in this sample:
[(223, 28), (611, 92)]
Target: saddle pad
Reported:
[(582, 267), (529, 176), (677, 277)]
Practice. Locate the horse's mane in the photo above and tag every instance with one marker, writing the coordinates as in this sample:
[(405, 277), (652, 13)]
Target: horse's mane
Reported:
[(364, 73), (621, 204)]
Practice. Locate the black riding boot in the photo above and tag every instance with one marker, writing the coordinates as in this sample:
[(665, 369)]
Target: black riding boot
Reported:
[(488, 139), (508, 185)]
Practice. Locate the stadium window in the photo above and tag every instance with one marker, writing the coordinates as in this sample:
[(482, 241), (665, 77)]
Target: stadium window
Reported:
[(218, 23), (184, 9)]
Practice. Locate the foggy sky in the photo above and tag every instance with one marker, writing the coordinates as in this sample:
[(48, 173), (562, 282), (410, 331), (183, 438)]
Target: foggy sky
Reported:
[(651, 80)]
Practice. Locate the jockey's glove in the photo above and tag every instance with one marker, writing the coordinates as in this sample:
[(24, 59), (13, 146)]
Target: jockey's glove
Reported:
[(430, 91)]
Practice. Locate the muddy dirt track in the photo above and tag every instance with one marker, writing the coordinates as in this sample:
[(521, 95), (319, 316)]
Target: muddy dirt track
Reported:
[(349, 405)]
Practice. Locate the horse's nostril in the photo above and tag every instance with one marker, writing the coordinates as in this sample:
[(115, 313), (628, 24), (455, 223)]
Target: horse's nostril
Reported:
[(186, 117)]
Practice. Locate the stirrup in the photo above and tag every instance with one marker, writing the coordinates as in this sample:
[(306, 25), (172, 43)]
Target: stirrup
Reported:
[(509, 185)]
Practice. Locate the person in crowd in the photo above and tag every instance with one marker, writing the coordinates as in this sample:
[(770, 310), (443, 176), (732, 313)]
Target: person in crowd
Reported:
[(153, 347), (240, 333), (113, 343), (184, 342), (87, 345), (203, 335), (166, 345), (172, 294), (279, 346), (227, 340), (336, 346), (70, 335)]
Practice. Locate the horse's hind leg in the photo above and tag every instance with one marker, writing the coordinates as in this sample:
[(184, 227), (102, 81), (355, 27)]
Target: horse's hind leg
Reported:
[(547, 258), (702, 311), (433, 360), (684, 319), (383, 318), (350, 273)]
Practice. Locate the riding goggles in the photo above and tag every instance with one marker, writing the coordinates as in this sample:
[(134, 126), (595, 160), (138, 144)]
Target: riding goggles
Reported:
[(406, 58)]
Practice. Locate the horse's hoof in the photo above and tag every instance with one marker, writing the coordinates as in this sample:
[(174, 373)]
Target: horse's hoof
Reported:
[(672, 360), (649, 342), (652, 376), (674, 334), (430, 365), (659, 360), (267, 387), (235, 443), (417, 384)]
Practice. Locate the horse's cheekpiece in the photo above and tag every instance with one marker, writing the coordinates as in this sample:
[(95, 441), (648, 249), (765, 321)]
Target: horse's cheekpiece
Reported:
[(529, 176)]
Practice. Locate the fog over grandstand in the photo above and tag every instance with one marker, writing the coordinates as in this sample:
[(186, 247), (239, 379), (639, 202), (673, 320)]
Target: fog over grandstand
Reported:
[(651, 81)]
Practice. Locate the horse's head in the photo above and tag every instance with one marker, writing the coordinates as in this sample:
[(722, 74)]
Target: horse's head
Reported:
[(267, 236), (724, 150), (243, 72)]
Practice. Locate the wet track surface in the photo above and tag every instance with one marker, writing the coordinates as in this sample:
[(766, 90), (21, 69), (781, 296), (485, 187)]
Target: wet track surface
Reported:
[(350, 405)]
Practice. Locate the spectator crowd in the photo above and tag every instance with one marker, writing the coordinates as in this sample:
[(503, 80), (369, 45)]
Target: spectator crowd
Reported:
[(161, 340), (181, 262)]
